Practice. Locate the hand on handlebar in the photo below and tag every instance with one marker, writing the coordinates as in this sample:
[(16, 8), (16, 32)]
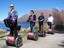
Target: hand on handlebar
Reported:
[(13, 20), (41, 20), (34, 21)]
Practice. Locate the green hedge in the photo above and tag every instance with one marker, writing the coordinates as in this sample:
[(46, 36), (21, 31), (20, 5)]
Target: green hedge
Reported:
[(59, 27)]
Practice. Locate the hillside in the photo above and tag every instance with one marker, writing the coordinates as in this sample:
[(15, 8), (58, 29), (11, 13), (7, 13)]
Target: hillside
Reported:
[(1, 22), (24, 18)]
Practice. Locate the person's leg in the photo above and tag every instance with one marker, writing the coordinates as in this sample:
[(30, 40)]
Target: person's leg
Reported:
[(15, 29), (15, 23), (42, 26), (39, 26), (31, 29), (10, 22), (15, 33), (31, 26), (48, 24), (11, 31)]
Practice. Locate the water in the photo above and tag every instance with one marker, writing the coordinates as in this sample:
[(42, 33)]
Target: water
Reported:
[(23, 25)]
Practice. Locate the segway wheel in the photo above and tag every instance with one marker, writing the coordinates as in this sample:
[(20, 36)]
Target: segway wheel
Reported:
[(52, 33), (35, 36), (7, 43), (28, 37), (18, 42), (43, 34)]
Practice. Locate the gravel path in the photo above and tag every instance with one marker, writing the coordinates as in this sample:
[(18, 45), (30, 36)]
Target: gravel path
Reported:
[(50, 41)]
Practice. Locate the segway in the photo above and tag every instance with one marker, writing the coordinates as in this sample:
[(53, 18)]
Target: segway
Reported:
[(32, 35), (11, 40), (41, 33)]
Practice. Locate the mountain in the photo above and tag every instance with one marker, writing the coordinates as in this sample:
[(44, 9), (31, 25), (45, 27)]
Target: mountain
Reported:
[(46, 13), (1, 22)]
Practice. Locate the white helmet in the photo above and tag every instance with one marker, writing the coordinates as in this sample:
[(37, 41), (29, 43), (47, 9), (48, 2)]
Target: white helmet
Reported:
[(11, 4)]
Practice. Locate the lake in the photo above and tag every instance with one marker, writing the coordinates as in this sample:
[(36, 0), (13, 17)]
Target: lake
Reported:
[(23, 25)]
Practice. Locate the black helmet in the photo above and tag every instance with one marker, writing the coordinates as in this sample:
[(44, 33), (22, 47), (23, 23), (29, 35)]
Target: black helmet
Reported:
[(32, 11), (50, 14)]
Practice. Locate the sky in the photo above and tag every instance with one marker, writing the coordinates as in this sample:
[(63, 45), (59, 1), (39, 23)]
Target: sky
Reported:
[(24, 6)]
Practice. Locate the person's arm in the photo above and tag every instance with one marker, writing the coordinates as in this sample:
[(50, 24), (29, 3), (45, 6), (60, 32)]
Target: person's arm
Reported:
[(42, 18), (28, 19), (16, 15), (38, 18), (9, 16)]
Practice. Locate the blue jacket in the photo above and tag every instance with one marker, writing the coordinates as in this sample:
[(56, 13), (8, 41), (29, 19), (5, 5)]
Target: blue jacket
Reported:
[(13, 15)]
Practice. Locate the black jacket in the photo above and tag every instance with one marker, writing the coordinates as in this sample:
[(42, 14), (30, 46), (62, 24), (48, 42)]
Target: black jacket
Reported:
[(34, 18), (40, 18)]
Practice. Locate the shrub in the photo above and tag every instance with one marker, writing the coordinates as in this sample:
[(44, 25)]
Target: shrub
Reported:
[(37, 26), (45, 27), (59, 27), (2, 31)]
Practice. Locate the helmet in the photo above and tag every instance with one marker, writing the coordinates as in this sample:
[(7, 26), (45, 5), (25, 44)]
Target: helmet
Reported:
[(41, 12), (11, 5), (32, 11), (50, 14)]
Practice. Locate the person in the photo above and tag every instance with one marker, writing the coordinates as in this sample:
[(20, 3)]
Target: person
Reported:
[(40, 21), (50, 21), (12, 17), (32, 20)]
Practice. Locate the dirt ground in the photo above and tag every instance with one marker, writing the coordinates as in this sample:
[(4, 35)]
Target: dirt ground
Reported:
[(50, 41)]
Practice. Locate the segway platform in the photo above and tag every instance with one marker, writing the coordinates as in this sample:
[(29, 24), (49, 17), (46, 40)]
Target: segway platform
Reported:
[(32, 35), (42, 33), (50, 31)]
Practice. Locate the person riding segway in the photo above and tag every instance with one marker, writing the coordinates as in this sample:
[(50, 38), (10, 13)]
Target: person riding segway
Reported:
[(32, 20), (40, 21), (11, 22), (50, 23)]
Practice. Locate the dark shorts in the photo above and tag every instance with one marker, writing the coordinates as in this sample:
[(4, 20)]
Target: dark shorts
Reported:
[(49, 23)]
